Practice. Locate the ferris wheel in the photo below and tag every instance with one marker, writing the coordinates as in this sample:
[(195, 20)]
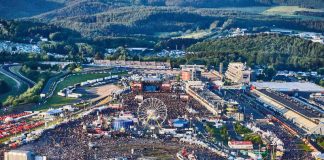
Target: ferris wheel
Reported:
[(152, 112)]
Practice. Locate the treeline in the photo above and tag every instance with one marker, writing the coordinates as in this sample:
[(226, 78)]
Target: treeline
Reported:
[(4, 87), (230, 3), (138, 20), (279, 51), (37, 71), (27, 8), (29, 31), (29, 96), (7, 57), (61, 41), (176, 43), (315, 25), (308, 13)]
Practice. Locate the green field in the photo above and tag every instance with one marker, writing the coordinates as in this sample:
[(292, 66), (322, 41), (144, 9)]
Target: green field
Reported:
[(256, 10), (197, 34), (167, 34), (57, 101), (15, 69), (304, 147), (15, 89), (288, 10)]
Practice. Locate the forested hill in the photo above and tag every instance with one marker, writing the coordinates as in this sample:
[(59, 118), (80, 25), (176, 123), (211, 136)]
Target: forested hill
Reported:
[(276, 50), (233, 3), (25, 31), (10, 9), (135, 20)]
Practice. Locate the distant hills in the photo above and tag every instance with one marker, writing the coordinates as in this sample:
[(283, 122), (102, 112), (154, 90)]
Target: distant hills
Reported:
[(282, 52), (105, 20), (97, 18), (10, 9)]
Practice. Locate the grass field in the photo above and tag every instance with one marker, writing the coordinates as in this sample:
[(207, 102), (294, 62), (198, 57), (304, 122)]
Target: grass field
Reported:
[(57, 101), (167, 34), (304, 147), (288, 10), (197, 34), (15, 89), (256, 10)]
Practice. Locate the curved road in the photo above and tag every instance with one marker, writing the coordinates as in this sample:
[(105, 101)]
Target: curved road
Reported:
[(18, 76), (4, 72)]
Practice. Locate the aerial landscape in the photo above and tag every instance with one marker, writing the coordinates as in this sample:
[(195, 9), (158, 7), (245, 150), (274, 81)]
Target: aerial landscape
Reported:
[(162, 79)]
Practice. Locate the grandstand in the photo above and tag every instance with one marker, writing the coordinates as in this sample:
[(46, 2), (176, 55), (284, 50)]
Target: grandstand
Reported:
[(293, 104), (134, 64), (303, 116)]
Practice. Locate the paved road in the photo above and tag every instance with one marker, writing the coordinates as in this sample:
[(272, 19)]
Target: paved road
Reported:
[(17, 73), (8, 69), (247, 104), (51, 84), (11, 77)]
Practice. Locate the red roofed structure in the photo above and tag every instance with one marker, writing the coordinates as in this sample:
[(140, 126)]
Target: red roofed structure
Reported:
[(247, 145)]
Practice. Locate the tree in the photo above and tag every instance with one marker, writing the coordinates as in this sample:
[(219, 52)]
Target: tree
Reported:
[(321, 71), (57, 36), (99, 56), (4, 87), (269, 73), (321, 83)]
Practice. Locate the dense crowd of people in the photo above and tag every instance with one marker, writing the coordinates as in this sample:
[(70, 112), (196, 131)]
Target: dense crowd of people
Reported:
[(176, 106), (69, 141), (293, 150)]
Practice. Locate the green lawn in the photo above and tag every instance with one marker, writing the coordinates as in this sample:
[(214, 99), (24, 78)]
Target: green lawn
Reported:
[(197, 34), (321, 144), (15, 89), (255, 10), (57, 101), (288, 10), (16, 69), (304, 147)]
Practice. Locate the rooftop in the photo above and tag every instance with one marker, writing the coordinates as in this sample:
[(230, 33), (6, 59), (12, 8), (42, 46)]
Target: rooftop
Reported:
[(240, 142), (295, 106), (289, 86)]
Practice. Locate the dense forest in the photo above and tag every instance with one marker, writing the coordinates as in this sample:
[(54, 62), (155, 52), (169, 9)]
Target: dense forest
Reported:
[(61, 40), (26, 31), (139, 20), (281, 52), (4, 87), (275, 50), (120, 18), (27, 8), (29, 96)]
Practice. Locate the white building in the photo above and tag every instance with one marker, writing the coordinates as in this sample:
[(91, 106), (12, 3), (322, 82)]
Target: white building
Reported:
[(51, 113), (18, 155), (238, 73), (247, 145)]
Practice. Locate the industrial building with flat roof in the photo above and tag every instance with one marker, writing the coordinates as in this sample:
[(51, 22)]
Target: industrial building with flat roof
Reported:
[(303, 116), (289, 86)]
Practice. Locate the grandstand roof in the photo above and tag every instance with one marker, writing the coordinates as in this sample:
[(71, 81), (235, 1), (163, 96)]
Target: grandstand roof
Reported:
[(291, 105), (289, 86)]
